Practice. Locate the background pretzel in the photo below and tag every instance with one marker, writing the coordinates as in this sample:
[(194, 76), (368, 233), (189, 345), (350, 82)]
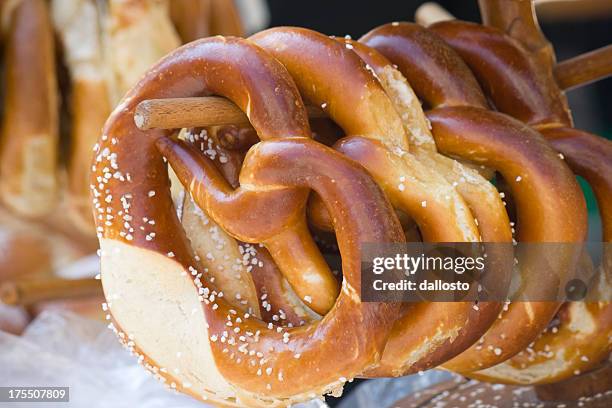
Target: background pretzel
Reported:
[(170, 258), (59, 209), (442, 80), (203, 18), (533, 97), (28, 173)]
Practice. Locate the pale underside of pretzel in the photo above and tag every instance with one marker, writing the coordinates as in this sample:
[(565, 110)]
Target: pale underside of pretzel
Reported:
[(441, 79), (534, 98), (271, 368)]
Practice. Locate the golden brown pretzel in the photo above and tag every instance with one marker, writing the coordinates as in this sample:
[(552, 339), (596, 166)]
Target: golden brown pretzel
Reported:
[(470, 131), (259, 365), (330, 75), (522, 87), (28, 172), (518, 88)]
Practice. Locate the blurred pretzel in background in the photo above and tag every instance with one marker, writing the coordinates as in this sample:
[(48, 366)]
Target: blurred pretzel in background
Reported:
[(53, 117)]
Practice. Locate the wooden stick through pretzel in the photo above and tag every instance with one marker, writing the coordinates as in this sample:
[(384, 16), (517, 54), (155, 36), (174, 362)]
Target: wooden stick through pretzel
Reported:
[(28, 292), (177, 113), (585, 68)]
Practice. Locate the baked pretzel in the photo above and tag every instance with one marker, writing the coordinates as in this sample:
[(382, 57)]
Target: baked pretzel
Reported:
[(329, 74), (28, 169), (520, 86), (463, 127), (125, 24), (241, 360), (94, 38)]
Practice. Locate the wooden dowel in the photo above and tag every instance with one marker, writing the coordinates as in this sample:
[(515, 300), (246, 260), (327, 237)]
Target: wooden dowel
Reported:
[(518, 19), (430, 13), (28, 292), (585, 68), (178, 113)]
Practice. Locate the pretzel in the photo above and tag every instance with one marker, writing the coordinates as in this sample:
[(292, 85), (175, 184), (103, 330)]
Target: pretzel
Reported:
[(28, 173), (78, 24), (330, 75), (125, 24), (200, 326), (527, 91), (93, 35), (463, 127)]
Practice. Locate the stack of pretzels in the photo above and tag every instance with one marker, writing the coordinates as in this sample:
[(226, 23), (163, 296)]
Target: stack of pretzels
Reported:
[(220, 286)]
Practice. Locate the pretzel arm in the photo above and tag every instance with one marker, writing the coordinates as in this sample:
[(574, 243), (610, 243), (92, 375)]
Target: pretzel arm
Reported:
[(533, 170)]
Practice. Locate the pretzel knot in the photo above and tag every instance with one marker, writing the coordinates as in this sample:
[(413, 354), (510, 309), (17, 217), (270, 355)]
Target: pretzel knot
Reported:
[(159, 296)]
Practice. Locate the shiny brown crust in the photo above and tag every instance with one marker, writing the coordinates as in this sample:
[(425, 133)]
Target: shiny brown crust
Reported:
[(520, 86), (329, 74), (532, 170), (438, 75), (284, 169), (28, 169), (480, 195), (403, 44), (531, 96)]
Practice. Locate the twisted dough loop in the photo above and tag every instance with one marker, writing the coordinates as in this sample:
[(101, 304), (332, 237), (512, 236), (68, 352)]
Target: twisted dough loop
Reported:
[(260, 86), (525, 89), (470, 131)]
